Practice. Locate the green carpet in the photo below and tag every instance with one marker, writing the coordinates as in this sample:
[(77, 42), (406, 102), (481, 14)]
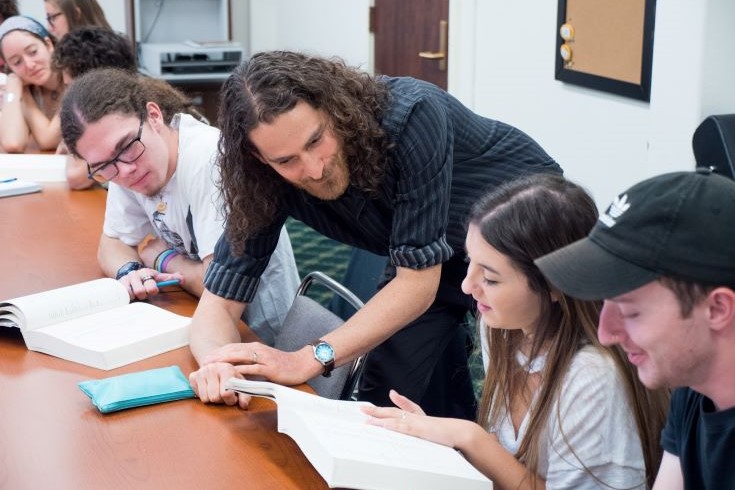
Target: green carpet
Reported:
[(315, 252)]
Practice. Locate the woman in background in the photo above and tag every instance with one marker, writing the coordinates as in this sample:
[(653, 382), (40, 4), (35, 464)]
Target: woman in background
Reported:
[(558, 409), (33, 89), (64, 16)]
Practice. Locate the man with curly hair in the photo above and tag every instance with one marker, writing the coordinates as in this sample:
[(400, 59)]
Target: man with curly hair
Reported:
[(90, 47), (389, 165)]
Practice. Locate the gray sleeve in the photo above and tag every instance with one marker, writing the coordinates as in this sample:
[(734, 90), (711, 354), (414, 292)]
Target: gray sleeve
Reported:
[(275, 292), (236, 277)]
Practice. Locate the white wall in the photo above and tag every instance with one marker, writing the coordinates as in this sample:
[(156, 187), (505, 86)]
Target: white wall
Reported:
[(501, 64), (603, 141), (324, 27), (718, 64)]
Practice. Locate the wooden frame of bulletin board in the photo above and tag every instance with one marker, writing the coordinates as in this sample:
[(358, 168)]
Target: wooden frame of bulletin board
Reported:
[(606, 45)]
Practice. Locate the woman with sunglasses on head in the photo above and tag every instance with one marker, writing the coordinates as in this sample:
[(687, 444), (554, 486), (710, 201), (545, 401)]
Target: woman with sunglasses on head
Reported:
[(64, 16), (558, 409), (33, 89)]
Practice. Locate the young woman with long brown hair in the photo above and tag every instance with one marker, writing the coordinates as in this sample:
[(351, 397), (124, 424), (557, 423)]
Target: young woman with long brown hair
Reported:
[(558, 409)]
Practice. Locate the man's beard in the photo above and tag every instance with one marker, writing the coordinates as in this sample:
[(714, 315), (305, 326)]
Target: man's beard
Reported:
[(333, 183)]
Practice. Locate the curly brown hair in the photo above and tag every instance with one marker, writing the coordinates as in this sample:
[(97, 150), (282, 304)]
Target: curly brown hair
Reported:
[(124, 93), (8, 8), (272, 83), (92, 47)]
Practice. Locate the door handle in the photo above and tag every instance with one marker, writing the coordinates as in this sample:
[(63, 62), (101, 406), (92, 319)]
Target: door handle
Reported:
[(441, 55)]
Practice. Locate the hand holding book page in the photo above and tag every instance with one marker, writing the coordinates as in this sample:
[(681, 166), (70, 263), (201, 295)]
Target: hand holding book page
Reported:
[(348, 453), (92, 323)]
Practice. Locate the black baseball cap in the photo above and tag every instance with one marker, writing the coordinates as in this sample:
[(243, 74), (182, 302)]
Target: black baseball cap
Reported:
[(679, 224)]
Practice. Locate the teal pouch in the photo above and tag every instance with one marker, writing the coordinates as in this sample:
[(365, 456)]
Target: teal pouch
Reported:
[(137, 389)]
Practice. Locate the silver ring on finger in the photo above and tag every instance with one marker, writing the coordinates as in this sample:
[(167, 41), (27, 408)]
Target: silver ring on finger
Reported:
[(255, 357), (146, 278)]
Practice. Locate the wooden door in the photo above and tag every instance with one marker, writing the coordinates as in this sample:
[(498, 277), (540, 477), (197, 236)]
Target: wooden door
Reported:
[(405, 28)]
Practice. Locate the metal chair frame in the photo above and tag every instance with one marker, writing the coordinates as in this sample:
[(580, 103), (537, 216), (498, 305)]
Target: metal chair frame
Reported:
[(357, 365)]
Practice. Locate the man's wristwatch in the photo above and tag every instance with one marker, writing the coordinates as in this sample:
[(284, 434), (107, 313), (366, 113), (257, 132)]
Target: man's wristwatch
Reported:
[(127, 268), (324, 353)]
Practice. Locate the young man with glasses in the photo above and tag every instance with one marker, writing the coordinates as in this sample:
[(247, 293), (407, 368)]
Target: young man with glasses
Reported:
[(159, 163)]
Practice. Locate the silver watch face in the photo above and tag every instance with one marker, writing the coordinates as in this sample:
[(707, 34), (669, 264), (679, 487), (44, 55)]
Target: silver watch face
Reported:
[(324, 352)]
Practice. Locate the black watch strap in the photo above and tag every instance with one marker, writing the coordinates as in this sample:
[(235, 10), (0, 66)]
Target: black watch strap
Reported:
[(127, 268)]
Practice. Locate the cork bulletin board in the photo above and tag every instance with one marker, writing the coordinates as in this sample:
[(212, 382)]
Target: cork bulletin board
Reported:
[(606, 45)]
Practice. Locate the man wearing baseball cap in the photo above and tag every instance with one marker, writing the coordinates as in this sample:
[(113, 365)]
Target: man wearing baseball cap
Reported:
[(663, 258)]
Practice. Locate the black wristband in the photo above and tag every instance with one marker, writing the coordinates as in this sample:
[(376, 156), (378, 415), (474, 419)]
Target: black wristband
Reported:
[(127, 268)]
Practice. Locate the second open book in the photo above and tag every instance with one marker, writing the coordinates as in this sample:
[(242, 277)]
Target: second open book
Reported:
[(349, 453), (93, 323)]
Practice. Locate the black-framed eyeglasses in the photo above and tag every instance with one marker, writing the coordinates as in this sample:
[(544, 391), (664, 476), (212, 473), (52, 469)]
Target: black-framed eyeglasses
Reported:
[(105, 171), (50, 18)]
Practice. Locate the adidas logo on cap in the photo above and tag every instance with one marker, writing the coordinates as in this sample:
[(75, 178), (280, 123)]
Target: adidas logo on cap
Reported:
[(619, 206)]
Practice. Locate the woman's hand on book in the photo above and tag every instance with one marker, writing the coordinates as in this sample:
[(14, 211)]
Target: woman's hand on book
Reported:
[(408, 418)]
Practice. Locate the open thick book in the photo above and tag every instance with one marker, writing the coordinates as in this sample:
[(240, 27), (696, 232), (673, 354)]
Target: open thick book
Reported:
[(349, 453), (93, 323)]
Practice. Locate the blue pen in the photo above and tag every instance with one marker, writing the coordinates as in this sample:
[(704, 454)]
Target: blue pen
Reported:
[(163, 284), (6, 181)]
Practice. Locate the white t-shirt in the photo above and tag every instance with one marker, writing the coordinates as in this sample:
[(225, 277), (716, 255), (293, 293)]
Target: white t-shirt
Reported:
[(187, 215), (596, 423)]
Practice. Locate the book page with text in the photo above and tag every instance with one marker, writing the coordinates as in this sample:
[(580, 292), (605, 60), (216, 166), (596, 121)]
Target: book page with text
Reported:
[(340, 429), (66, 303), (113, 337), (116, 327)]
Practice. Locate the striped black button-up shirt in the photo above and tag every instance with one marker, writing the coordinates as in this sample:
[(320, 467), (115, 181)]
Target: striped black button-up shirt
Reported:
[(443, 159)]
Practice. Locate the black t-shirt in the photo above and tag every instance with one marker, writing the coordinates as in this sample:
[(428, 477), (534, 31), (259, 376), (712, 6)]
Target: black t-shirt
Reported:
[(703, 439)]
